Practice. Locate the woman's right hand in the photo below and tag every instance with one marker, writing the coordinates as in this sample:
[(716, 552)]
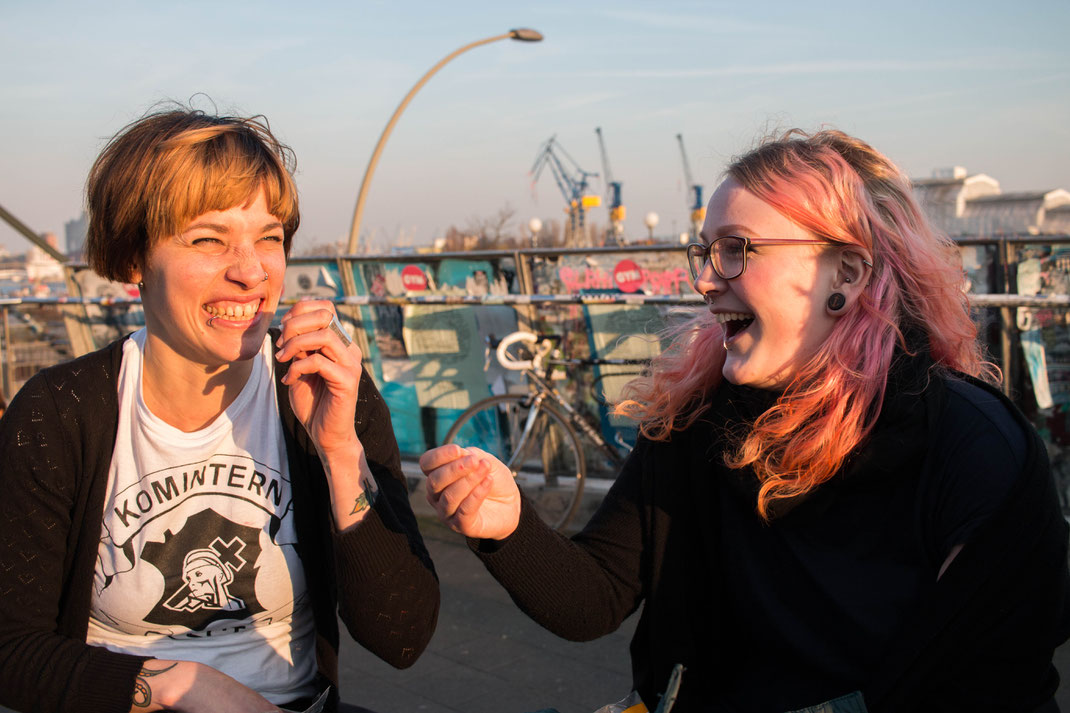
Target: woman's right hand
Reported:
[(473, 492), (188, 687)]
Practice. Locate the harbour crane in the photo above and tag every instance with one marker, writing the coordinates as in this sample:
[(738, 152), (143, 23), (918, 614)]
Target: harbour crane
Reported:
[(694, 191), (616, 208), (572, 180)]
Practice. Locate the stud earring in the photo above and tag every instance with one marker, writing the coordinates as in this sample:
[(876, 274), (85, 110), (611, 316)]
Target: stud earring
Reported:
[(265, 277), (847, 280), (836, 301), (141, 285)]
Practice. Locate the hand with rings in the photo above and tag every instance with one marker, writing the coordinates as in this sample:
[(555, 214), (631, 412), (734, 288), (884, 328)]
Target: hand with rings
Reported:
[(324, 373)]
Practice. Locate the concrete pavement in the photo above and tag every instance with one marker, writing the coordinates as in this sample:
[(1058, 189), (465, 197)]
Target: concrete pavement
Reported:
[(487, 657)]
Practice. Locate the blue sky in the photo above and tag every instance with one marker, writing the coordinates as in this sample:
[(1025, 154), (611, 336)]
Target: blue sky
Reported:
[(980, 84)]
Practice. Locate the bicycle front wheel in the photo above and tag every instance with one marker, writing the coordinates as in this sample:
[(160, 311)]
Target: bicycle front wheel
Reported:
[(546, 459)]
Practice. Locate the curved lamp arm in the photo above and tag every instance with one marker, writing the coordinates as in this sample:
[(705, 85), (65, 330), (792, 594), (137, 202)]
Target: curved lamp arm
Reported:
[(523, 35)]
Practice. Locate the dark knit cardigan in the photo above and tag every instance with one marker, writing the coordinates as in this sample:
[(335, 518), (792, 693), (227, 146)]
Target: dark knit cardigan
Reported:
[(56, 441), (981, 640)]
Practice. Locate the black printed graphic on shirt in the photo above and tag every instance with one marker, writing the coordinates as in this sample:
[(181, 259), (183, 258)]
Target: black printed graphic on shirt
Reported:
[(219, 479), (209, 572), (155, 494)]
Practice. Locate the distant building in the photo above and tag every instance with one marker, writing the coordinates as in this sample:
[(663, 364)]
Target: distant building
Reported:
[(42, 267), (962, 204), (75, 231)]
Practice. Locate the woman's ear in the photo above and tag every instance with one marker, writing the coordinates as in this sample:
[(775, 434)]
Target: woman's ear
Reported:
[(853, 270), (136, 277)]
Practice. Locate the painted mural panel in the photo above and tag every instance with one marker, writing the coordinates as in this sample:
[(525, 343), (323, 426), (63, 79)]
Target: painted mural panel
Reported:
[(430, 359)]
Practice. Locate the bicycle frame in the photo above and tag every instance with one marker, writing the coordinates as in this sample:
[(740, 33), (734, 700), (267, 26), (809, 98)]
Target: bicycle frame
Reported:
[(529, 425), (541, 434), (541, 390)]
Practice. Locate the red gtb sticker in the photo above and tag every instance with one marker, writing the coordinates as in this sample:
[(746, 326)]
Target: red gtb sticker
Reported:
[(628, 276), (413, 278)]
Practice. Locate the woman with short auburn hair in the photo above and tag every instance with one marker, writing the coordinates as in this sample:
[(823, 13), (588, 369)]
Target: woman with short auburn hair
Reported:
[(172, 166), (191, 508), (831, 506)]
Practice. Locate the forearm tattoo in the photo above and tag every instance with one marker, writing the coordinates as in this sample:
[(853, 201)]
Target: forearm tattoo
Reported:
[(142, 697), (366, 499)]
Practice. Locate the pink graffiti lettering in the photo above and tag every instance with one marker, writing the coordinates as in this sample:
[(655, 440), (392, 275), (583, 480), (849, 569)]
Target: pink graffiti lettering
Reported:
[(665, 282), (658, 282), (591, 279)]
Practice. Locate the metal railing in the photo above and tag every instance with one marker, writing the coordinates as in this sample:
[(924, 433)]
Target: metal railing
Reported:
[(526, 294)]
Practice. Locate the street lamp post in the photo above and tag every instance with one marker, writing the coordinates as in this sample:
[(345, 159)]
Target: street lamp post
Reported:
[(651, 221), (523, 35), (534, 226)]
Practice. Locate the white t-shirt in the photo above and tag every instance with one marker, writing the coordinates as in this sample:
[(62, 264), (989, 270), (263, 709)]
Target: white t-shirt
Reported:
[(196, 559)]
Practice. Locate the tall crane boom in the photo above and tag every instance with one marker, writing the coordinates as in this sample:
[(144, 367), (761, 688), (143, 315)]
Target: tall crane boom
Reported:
[(616, 208), (572, 181), (694, 190)]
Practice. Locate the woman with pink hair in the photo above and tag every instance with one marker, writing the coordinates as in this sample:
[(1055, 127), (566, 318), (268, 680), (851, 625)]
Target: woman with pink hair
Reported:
[(831, 507)]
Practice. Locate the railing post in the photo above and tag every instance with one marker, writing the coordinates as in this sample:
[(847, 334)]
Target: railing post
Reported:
[(7, 377), (76, 317), (345, 269), (346, 266), (1008, 326), (527, 287)]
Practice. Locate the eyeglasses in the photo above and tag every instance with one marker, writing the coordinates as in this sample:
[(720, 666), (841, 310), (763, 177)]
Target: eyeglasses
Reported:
[(729, 254)]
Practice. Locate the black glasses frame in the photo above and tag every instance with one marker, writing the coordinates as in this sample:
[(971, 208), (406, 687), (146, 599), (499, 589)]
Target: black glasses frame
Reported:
[(698, 254)]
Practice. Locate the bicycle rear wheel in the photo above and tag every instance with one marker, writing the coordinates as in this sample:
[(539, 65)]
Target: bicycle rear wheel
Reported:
[(547, 463)]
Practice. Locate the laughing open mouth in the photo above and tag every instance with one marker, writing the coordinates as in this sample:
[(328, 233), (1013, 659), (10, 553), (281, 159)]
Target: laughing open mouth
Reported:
[(734, 322), (233, 311)]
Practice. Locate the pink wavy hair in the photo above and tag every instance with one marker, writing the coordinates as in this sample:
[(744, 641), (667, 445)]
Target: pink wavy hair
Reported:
[(837, 187)]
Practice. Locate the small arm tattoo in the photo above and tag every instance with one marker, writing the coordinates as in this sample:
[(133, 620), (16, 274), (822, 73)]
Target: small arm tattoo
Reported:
[(360, 504), (366, 499), (142, 696)]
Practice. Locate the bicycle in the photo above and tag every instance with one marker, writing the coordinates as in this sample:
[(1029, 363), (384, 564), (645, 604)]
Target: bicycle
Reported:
[(535, 433)]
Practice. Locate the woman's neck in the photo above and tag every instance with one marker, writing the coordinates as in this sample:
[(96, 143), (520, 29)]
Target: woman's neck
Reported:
[(187, 395)]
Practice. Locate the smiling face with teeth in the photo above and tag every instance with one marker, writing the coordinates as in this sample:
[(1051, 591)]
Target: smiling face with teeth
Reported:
[(774, 315), (211, 290)]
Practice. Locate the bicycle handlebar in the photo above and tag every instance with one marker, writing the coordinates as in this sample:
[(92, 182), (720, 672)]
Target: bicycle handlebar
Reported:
[(542, 349), (507, 361)]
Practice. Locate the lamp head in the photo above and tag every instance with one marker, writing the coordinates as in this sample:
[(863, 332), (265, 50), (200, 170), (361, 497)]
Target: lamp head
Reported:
[(526, 35)]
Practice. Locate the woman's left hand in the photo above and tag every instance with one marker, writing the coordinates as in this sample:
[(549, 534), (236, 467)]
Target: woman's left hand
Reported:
[(324, 375)]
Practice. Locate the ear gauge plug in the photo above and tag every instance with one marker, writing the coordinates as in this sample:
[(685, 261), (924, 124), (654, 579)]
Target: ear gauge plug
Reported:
[(836, 301)]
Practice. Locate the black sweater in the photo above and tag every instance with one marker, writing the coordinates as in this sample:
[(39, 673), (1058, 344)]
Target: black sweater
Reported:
[(667, 538), (57, 440)]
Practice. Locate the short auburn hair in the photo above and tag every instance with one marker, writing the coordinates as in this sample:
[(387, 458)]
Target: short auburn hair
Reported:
[(166, 168)]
